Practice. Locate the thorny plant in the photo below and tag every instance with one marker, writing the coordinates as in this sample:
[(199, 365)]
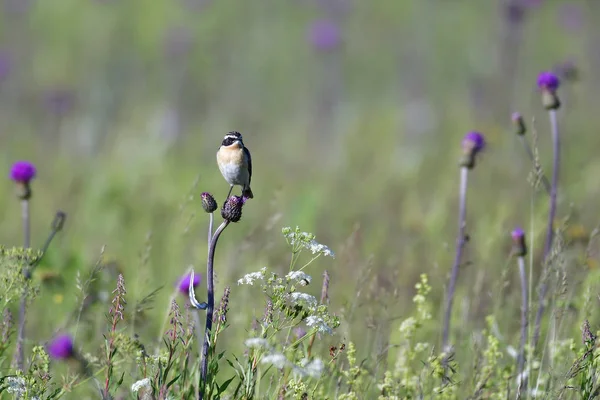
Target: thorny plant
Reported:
[(293, 349)]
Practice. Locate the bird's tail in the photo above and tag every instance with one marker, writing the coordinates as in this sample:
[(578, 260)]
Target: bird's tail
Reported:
[(247, 192)]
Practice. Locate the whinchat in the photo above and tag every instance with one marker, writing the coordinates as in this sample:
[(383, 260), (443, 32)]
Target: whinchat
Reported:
[(235, 163)]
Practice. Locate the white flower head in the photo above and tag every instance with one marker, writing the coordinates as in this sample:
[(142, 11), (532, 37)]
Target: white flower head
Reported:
[(319, 323), (15, 385), (257, 342), (307, 241), (301, 277), (314, 368), (135, 387), (278, 360), (303, 299), (250, 278)]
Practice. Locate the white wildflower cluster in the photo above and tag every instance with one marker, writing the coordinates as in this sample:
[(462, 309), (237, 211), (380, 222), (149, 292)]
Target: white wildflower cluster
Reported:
[(250, 278), (278, 360), (300, 277), (304, 299), (313, 368), (15, 385), (319, 323), (307, 241), (257, 342), (143, 383)]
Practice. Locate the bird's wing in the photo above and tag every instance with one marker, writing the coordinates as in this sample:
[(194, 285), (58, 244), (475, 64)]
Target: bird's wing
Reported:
[(247, 152)]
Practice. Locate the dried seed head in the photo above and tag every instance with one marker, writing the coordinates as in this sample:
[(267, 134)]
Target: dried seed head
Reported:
[(588, 338), (232, 208), (221, 314), (208, 202)]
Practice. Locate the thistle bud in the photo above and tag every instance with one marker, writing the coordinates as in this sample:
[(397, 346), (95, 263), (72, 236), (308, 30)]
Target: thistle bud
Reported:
[(518, 124), (472, 144), (59, 221), (208, 202), (519, 246), (232, 208)]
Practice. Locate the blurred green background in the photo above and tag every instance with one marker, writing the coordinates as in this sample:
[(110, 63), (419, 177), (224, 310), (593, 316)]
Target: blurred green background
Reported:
[(355, 137)]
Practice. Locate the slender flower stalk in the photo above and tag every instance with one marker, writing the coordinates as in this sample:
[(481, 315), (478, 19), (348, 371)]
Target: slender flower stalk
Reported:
[(22, 172), (472, 144), (231, 212), (210, 288), (548, 84), (520, 130), (520, 250)]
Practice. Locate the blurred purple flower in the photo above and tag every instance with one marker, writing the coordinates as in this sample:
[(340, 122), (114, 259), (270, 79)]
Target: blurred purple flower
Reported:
[(474, 140), (17, 6), (517, 234), (61, 347), (59, 101), (570, 17), (324, 34), (178, 42), (532, 3), (5, 65), (184, 282), (548, 81), (22, 171)]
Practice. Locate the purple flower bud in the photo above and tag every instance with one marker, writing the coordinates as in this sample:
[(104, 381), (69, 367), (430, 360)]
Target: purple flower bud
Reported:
[(519, 245), (517, 234), (22, 171), (232, 209), (548, 81), (518, 123), (61, 347), (184, 282), (474, 141), (208, 202), (472, 144), (324, 35)]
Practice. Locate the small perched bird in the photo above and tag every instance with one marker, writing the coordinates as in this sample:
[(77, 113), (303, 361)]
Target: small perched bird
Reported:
[(235, 163)]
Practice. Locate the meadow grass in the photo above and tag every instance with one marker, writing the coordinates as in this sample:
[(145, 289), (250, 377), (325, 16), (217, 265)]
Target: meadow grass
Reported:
[(122, 105)]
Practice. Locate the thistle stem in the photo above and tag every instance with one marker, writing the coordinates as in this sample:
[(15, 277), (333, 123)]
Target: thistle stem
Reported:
[(19, 351), (521, 379), (210, 289), (460, 243), (550, 227)]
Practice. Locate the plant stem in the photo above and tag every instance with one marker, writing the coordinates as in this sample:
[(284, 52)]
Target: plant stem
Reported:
[(550, 228), (210, 289), (529, 152), (521, 379), (460, 243), (19, 351)]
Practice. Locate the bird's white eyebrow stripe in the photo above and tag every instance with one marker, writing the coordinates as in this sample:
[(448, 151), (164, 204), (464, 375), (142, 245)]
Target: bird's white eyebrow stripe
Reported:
[(233, 137)]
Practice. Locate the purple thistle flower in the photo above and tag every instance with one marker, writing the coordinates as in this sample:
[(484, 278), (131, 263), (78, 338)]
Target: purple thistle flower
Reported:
[(184, 282), (324, 35), (548, 81), (61, 347), (474, 140), (517, 234), (22, 171)]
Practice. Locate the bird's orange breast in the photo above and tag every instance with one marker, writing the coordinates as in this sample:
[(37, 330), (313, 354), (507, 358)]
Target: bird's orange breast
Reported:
[(233, 154)]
